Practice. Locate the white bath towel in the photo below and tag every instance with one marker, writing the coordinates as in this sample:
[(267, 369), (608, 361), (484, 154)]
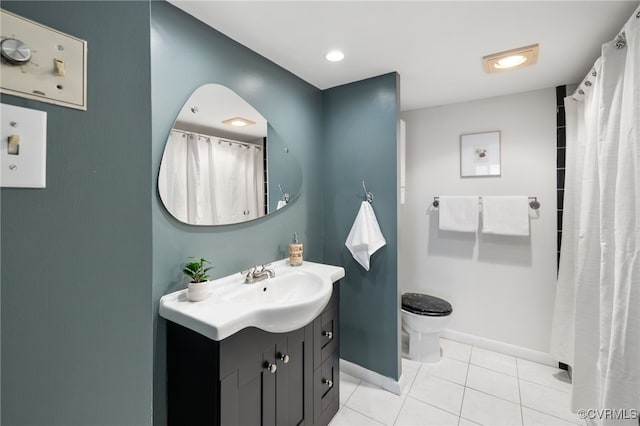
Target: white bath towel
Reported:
[(458, 214), (281, 204), (365, 237), (505, 215)]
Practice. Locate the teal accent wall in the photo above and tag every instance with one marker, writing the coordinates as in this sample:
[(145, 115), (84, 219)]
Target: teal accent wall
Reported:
[(85, 261), (360, 143), (185, 54), (76, 257)]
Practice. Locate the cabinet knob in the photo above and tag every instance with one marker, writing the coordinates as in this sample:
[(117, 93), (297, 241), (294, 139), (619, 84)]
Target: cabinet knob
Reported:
[(283, 357), (329, 383), (328, 334), (271, 367)]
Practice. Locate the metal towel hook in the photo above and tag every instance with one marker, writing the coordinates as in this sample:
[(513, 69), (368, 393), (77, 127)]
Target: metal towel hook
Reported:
[(368, 196), (285, 196)]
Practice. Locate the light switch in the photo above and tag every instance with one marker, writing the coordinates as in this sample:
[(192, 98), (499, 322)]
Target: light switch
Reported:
[(14, 145), (58, 67), (23, 154)]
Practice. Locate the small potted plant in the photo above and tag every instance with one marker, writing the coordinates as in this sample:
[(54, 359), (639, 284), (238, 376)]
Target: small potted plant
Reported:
[(196, 270)]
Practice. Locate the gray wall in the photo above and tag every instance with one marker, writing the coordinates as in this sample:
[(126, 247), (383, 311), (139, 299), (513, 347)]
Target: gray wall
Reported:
[(186, 54), (76, 256), (360, 143)]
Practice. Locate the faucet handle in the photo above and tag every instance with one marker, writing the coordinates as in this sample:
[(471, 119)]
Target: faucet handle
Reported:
[(249, 271), (262, 267)]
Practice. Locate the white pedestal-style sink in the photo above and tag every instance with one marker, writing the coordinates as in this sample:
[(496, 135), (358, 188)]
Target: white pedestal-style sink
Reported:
[(290, 300)]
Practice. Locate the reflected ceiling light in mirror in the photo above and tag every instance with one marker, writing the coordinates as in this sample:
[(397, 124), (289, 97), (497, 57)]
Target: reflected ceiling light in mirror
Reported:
[(334, 56), (511, 59), (239, 122)]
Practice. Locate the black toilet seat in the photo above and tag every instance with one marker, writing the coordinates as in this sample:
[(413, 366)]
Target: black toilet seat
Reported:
[(423, 304)]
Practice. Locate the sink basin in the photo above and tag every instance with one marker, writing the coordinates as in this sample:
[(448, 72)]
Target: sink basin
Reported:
[(290, 300)]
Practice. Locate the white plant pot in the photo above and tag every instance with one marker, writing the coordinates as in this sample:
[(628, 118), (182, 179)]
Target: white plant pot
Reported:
[(198, 291)]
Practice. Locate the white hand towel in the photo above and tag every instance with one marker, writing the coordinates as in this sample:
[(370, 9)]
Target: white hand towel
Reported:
[(365, 237), (281, 204), (505, 215), (458, 214)]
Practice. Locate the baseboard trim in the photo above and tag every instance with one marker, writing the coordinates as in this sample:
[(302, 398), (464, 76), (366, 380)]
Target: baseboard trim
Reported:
[(372, 377), (501, 347), (397, 386)]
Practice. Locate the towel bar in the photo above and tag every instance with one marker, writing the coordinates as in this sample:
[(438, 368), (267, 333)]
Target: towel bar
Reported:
[(533, 203)]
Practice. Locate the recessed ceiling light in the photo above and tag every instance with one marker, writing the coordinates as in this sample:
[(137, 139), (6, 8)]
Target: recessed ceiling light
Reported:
[(334, 56), (511, 59), (239, 122)]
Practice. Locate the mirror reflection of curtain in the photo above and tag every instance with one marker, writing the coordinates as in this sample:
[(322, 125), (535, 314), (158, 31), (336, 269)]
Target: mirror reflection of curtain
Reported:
[(212, 181)]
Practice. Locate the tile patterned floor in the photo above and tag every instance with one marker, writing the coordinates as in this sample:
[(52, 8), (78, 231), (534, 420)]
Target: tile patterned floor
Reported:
[(470, 386)]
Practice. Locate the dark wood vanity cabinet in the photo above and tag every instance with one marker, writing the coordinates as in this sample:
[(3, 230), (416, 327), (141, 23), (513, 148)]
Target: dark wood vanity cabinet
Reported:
[(255, 377)]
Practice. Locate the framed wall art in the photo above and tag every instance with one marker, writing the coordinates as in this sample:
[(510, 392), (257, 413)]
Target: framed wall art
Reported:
[(480, 154)]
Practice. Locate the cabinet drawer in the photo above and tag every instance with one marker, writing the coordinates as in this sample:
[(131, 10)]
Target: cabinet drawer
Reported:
[(326, 390), (325, 331)]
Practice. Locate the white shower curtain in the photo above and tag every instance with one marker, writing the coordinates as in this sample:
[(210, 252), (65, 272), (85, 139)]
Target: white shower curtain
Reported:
[(596, 326), (209, 181)]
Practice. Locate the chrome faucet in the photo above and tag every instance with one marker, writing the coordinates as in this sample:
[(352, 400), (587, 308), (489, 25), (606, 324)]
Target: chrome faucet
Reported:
[(258, 273)]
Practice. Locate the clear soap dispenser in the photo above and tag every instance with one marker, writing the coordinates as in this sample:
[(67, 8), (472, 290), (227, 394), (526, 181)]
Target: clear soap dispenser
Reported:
[(295, 251)]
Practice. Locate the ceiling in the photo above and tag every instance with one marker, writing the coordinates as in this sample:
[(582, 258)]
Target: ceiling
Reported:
[(199, 114), (436, 47)]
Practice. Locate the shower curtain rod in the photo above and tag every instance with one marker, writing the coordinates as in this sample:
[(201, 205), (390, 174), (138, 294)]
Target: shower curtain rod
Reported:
[(621, 43), (247, 144)]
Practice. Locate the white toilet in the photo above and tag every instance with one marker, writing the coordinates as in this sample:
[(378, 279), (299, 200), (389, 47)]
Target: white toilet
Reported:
[(423, 318)]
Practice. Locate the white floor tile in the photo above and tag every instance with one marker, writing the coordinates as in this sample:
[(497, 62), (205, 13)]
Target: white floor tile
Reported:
[(468, 387), (448, 369), (494, 361), (349, 417), (416, 413), (466, 422), (497, 384), (544, 375), (547, 400), (348, 384), (410, 369), (535, 418), (490, 410), (455, 350), (409, 363), (376, 403), (438, 392)]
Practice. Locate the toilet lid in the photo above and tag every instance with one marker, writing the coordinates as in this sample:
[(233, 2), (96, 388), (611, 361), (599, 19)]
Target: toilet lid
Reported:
[(423, 304)]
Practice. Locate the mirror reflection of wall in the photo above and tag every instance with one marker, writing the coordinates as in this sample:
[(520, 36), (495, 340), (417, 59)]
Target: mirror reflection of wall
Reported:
[(214, 169)]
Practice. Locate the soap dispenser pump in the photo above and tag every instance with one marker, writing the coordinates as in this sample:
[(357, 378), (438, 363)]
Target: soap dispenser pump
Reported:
[(295, 251)]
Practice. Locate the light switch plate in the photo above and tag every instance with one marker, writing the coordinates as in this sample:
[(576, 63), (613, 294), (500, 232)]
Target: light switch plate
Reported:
[(57, 70), (27, 169)]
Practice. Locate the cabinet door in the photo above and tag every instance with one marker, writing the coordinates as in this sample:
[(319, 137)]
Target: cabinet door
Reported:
[(248, 385), (293, 380)]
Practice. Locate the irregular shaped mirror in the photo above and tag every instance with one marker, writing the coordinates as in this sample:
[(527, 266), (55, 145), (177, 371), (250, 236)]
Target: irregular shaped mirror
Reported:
[(223, 163)]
